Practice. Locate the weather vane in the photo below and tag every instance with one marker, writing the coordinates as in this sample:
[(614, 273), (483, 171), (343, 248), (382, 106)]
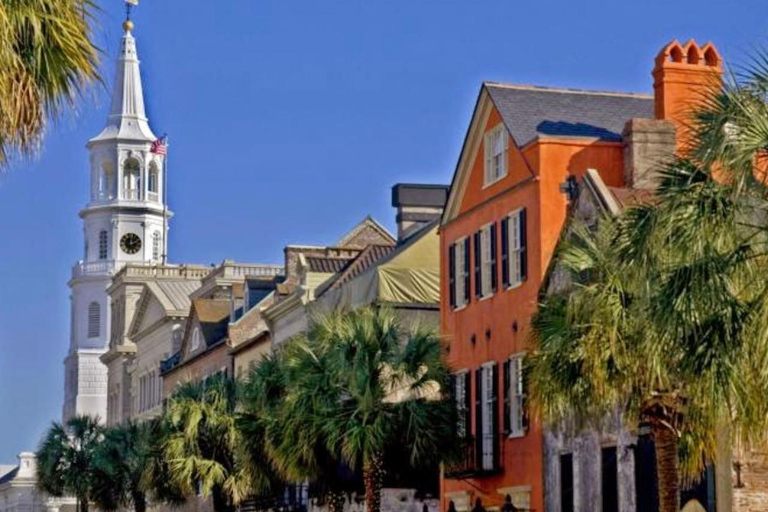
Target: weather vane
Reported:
[(129, 4)]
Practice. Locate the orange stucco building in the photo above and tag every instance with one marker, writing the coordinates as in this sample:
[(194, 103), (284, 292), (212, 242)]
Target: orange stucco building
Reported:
[(525, 150)]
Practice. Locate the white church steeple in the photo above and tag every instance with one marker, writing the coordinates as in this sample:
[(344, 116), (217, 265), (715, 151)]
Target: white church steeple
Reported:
[(127, 117), (125, 221)]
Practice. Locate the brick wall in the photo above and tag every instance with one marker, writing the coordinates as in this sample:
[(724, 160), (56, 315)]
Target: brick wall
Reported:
[(198, 368)]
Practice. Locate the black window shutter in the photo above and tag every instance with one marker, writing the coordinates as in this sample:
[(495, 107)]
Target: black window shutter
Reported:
[(478, 273), (467, 376), (452, 274), (507, 398), (467, 289), (494, 277), (505, 252), (479, 417), (495, 414), (523, 244)]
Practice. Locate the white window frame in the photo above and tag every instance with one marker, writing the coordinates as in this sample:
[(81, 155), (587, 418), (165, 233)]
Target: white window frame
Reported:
[(486, 411), (495, 144), (486, 268), (516, 395), (515, 241), (460, 276)]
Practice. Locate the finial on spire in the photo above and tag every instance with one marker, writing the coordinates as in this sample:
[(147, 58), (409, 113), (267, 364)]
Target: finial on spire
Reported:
[(128, 24)]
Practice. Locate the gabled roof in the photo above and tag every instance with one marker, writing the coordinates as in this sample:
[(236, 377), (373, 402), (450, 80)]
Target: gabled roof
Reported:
[(368, 223), (172, 295), (530, 111), (8, 473)]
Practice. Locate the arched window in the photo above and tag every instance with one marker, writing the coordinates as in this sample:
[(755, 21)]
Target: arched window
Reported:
[(156, 245), (106, 181), (103, 246), (132, 179), (152, 179), (94, 320)]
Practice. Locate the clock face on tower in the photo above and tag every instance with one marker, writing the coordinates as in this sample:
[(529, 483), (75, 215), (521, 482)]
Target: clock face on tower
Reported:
[(130, 243)]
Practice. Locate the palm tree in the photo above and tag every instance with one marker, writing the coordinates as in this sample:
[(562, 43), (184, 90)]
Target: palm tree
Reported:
[(664, 320), (276, 398), (384, 390), (65, 459), (120, 463), (47, 59), (204, 447)]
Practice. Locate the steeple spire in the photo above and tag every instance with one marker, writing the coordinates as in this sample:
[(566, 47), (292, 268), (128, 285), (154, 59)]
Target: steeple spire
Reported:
[(127, 117)]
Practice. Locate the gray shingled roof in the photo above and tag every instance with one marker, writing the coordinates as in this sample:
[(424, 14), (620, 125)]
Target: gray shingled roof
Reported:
[(177, 292), (531, 111)]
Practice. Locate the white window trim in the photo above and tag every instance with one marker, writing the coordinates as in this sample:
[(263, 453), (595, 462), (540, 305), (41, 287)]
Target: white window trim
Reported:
[(496, 131), (486, 269), (460, 278), (487, 413), (513, 253), (518, 396)]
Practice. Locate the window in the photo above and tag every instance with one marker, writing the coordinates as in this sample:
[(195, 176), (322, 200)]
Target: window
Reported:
[(103, 246), (566, 483), (152, 178), (495, 155), (460, 388), (485, 261), (94, 320), (514, 399), (156, 246), (609, 479), (486, 391), (458, 263), (514, 257), (195, 339), (106, 183), (131, 179)]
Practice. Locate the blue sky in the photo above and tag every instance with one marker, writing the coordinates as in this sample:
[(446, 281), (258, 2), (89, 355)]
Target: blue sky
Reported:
[(289, 121)]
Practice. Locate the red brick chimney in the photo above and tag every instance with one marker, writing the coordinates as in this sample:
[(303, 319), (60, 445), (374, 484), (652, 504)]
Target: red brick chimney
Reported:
[(683, 74)]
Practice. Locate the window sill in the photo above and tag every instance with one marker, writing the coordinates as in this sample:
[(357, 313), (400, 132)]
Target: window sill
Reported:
[(516, 435), (459, 308), (488, 184), (514, 286), (485, 297)]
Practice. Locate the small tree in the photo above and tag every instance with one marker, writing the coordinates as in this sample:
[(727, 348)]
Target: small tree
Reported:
[(120, 463), (66, 459), (385, 388), (204, 447)]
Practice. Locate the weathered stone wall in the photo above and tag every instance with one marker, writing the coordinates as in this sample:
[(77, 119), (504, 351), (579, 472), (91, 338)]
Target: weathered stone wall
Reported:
[(750, 482)]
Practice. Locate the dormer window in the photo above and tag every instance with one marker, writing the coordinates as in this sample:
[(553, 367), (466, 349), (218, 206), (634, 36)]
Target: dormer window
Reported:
[(196, 339), (495, 155)]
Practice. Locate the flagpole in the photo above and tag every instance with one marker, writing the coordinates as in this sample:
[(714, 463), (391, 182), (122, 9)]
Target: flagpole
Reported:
[(165, 203)]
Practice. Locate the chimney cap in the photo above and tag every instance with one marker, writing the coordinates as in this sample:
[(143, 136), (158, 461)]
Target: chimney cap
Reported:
[(689, 54), (419, 194)]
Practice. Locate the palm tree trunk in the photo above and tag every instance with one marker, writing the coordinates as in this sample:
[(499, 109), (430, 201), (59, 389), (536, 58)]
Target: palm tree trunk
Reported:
[(139, 502), (667, 471), (372, 478), (220, 501), (83, 505), (335, 501)]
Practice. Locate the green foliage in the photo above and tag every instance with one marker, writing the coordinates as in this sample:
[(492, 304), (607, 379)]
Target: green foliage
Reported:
[(47, 59), (66, 459)]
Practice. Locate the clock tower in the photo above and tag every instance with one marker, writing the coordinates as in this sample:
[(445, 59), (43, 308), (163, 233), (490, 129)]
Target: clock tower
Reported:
[(124, 221)]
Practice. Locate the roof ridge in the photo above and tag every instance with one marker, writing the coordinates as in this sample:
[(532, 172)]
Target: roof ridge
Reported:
[(569, 90)]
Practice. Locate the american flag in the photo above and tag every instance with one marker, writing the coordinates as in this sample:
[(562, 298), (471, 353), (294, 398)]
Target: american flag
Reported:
[(160, 146)]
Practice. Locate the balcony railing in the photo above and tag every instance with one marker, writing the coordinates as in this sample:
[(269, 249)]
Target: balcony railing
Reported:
[(131, 194), (293, 498), (477, 458), (153, 196), (137, 269)]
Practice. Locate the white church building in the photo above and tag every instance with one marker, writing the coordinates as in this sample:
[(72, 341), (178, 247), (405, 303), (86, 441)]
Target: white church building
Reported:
[(125, 221)]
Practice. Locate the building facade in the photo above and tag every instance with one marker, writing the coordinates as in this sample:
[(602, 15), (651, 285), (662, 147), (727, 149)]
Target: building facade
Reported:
[(124, 221), (525, 149)]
